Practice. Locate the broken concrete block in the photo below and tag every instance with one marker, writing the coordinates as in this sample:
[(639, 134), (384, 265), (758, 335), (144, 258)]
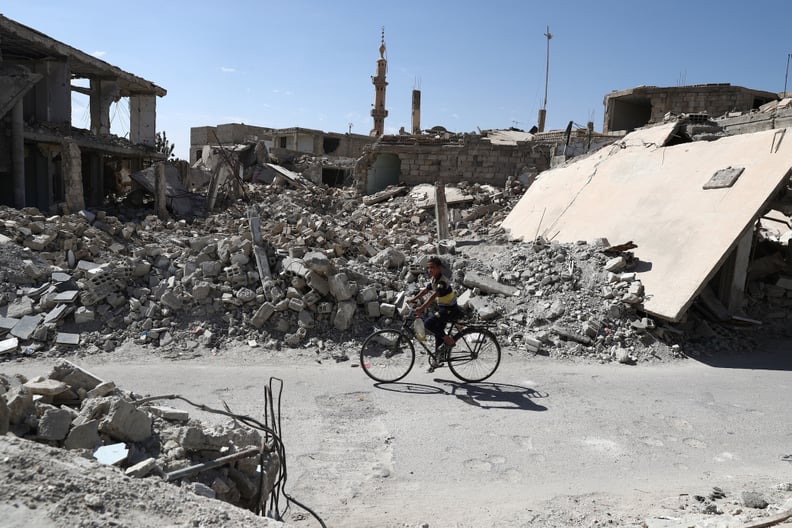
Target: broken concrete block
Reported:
[(296, 305), (533, 345), (84, 315), (387, 309), (615, 264), (103, 389), (341, 288), (9, 345), (264, 312), (169, 413), (26, 326), (368, 294), (201, 290), (64, 338), (345, 311), (74, 376), (324, 308), (318, 262), (487, 284), (373, 309), (295, 266), (317, 282), (19, 308), (54, 424), (211, 268), (171, 300), (19, 401), (245, 295), (45, 386), (83, 436), (636, 288), (141, 469), (389, 258), (126, 422)]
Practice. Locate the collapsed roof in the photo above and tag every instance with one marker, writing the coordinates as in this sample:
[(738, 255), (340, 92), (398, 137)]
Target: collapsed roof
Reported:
[(686, 206)]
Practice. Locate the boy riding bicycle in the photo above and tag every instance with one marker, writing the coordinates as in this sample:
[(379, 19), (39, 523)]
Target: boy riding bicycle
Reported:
[(447, 309)]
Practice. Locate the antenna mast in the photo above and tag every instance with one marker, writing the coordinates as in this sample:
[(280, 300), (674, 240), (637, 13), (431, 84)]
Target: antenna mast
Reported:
[(543, 111)]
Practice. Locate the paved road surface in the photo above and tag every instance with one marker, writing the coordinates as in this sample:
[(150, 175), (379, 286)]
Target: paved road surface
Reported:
[(437, 450)]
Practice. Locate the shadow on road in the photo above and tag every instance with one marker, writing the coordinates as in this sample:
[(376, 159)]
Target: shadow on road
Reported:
[(772, 355), (495, 395), (412, 388)]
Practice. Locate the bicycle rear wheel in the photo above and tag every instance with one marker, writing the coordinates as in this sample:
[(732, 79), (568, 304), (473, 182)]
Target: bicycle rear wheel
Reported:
[(387, 355), (475, 356)]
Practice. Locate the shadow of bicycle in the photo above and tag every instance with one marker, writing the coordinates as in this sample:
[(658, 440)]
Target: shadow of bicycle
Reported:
[(409, 388), (495, 395)]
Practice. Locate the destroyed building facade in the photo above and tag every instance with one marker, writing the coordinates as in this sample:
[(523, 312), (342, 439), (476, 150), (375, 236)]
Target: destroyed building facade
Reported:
[(285, 145), (626, 110), (44, 160)]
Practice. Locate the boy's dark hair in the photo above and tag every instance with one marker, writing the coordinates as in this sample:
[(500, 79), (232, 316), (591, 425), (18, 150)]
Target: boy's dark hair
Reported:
[(436, 261)]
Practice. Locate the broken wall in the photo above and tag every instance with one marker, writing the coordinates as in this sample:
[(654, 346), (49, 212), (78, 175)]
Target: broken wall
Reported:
[(470, 158)]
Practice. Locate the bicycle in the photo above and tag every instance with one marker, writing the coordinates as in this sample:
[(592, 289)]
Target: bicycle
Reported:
[(388, 355)]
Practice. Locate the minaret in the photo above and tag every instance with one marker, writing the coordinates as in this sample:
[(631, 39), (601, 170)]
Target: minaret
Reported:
[(378, 112)]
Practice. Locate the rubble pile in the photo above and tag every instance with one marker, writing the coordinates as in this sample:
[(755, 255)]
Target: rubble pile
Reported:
[(72, 409), (298, 265)]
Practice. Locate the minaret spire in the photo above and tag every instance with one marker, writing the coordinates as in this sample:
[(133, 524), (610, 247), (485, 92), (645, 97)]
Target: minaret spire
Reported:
[(378, 111)]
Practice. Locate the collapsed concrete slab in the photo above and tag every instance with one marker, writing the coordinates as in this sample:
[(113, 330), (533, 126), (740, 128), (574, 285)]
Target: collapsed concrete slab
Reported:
[(640, 190)]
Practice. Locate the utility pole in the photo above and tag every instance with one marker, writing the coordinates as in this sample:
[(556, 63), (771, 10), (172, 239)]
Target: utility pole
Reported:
[(543, 111), (786, 76)]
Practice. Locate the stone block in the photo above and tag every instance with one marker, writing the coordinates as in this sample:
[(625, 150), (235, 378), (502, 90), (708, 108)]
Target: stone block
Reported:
[(45, 386), (388, 310), (171, 300), (245, 295), (296, 305), (318, 262), (615, 264), (54, 424), (294, 266), (19, 308), (9, 345), (141, 469), (201, 290), (126, 422), (103, 389), (169, 413), (211, 268), (264, 312), (83, 315), (487, 284), (368, 294), (65, 338), (341, 288), (311, 298), (373, 309), (344, 313), (324, 308), (317, 282)]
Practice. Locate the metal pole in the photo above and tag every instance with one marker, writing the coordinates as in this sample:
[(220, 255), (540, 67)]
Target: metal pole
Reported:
[(786, 76), (547, 65)]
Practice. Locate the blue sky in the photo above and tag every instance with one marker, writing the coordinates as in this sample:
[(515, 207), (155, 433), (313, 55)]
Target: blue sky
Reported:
[(309, 63)]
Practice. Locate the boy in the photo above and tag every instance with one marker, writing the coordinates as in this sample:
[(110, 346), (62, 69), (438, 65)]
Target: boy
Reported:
[(447, 310)]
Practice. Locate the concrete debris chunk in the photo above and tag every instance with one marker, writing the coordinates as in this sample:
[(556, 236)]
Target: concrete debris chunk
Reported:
[(54, 424), (487, 285), (125, 422), (9, 345), (45, 386), (83, 436), (142, 469)]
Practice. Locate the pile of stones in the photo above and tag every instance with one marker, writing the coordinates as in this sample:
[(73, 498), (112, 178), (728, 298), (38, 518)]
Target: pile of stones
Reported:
[(73, 409), (308, 266)]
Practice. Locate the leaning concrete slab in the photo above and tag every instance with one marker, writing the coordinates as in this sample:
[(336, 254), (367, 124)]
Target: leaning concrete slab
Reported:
[(640, 191)]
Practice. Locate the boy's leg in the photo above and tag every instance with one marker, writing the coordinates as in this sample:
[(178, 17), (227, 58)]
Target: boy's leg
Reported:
[(435, 324)]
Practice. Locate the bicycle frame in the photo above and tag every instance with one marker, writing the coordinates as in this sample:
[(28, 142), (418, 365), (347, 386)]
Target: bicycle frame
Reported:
[(408, 329)]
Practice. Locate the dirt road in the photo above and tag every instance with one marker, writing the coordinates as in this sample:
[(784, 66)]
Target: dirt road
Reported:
[(539, 444)]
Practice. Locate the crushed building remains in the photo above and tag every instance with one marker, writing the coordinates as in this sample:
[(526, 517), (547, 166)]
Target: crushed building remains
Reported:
[(45, 162)]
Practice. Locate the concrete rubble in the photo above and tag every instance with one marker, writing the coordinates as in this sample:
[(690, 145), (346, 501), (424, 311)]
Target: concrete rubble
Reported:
[(308, 267), (72, 409)]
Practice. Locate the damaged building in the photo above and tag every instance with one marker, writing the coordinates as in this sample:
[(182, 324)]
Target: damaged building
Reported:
[(489, 157), (626, 110), (322, 157), (44, 160)]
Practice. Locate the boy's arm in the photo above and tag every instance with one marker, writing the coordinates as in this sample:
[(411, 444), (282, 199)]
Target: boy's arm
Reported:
[(426, 305)]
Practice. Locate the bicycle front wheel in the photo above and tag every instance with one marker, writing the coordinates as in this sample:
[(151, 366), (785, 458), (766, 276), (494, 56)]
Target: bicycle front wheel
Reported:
[(387, 355), (475, 356)]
